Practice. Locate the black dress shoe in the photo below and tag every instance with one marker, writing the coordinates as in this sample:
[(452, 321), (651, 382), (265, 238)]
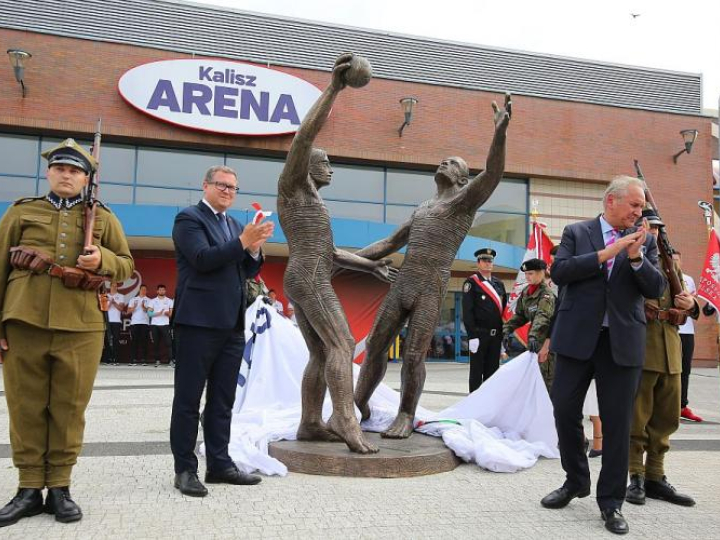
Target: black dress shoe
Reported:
[(662, 490), (234, 476), (60, 503), (635, 493), (27, 502), (614, 521), (189, 484), (561, 497)]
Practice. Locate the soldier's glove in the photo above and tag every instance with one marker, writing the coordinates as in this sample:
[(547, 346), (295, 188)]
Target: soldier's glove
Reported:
[(26, 258), (533, 345), (474, 345), (707, 309)]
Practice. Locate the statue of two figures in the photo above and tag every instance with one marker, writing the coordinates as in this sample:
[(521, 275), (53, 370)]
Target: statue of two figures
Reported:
[(432, 236)]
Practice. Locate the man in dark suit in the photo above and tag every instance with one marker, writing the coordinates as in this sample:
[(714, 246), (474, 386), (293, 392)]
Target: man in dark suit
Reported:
[(215, 255), (606, 267)]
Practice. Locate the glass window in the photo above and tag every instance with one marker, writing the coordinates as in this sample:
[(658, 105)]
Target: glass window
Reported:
[(257, 175), (167, 197), (112, 194), (349, 210), (18, 155), (398, 214), (117, 164), (173, 168), (509, 196), (13, 187), (408, 187), (356, 184), (507, 228)]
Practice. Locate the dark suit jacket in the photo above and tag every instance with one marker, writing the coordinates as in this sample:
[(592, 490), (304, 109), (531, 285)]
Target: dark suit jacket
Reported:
[(587, 295), (211, 271)]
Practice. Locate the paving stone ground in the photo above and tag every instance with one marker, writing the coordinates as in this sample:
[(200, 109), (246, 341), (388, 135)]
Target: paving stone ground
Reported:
[(124, 483)]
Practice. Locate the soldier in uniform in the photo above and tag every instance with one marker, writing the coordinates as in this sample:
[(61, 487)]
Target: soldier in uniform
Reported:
[(536, 305), (484, 301), (51, 332), (657, 403)]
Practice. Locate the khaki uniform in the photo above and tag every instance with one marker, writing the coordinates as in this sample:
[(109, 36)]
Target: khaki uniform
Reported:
[(656, 414), (537, 309), (54, 334)]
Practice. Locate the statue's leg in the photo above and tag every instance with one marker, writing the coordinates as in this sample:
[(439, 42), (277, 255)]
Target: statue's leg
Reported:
[(312, 427), (421, 328), (387, 325)]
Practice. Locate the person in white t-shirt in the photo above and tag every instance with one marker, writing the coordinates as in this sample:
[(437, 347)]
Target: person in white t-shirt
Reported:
[(277, 304), (687, 339), (139, 326), (161, 310), (116, 306), (290, 313)]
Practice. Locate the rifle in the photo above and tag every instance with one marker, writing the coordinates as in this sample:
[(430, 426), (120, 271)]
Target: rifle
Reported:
[(90, 202), (665, 248)]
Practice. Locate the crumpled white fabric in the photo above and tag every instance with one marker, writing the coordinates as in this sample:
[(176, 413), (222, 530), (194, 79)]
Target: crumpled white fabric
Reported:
[(504, 426)]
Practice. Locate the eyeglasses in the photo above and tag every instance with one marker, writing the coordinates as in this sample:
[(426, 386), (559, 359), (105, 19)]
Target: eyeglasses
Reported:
[(222, 186)]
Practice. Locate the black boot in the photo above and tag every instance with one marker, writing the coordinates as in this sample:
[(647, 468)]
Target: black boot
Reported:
[(27, 502), (60, 503), (663, 490), (635, 493)]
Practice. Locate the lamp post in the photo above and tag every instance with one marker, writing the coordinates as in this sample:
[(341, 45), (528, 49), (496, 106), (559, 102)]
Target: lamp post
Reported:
[(17, 60), (408, 104), (689, 136)]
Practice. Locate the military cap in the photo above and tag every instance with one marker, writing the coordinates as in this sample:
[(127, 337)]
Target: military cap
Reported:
[(71, 153), (652, 218), (533, 264), (487, 254)]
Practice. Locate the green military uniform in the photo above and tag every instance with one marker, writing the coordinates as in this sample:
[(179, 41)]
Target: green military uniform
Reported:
[(54, 333), (656, 414), (537, 309)]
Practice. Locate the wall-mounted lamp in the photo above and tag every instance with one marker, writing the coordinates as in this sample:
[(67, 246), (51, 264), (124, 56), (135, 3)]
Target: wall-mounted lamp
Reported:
[(689, 136), (408, 104), (17, 59)]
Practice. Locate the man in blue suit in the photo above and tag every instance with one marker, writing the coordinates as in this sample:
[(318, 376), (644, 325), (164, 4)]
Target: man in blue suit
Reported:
[(215, 255), (606, 268)]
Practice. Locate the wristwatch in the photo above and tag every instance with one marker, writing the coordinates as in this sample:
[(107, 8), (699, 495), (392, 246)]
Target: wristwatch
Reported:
[(637, 259)]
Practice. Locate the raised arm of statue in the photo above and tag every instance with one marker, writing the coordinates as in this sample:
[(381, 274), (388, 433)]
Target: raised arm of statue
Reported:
[(387, 246), (381, 269), (297, 163), (481, 187)]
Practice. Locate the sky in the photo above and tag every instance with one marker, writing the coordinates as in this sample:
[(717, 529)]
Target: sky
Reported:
[(679, 36)]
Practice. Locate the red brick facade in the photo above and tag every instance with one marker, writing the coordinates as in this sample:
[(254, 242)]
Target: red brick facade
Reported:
[(72, 82)]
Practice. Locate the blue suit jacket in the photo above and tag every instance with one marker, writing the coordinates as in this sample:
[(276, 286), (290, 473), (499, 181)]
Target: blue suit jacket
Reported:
[(588, 294), (211, 289)]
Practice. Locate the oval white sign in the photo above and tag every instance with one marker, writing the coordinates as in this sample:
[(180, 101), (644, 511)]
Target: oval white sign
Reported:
[(219, 96)]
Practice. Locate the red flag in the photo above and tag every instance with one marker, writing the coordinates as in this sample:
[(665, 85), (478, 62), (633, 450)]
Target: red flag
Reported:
[(539, 246), (709, 286)]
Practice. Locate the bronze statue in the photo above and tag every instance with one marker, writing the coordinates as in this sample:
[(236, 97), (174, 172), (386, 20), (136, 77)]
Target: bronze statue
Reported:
[(306, 223), (433, 235)]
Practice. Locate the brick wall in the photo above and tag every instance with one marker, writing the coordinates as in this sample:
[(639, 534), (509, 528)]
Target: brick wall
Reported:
[(72, 82)]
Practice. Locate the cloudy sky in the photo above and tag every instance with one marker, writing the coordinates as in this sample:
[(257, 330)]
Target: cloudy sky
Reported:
[(680, 36)]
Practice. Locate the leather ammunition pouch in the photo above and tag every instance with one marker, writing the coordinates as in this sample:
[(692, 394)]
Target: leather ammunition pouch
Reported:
[(27, 258), (671, 316), (77, 278)]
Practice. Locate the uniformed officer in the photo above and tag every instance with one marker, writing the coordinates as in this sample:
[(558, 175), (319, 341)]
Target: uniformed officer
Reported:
[(484, 301), (51, 332), (657, 403), (536, 305)]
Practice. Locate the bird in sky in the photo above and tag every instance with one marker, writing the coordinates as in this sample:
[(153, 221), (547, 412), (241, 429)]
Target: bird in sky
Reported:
[(635, 15)]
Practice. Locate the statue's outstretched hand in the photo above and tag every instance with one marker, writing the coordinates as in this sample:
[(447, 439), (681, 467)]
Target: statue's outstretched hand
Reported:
[(502, 116), (384, 272), (342, 64)]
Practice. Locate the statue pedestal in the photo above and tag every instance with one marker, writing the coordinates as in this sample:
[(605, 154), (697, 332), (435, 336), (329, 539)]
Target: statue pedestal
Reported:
[(398, 458)]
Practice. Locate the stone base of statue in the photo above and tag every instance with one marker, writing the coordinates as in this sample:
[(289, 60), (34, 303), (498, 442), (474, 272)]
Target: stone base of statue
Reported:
[(398, 458)]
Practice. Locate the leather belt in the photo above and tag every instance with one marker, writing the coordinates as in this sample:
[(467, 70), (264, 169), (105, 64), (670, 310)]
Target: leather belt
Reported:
[(490, 331), (660, 315)]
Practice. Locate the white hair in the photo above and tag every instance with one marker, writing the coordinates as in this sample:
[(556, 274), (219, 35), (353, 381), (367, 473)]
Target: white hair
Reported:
[(620, 186)]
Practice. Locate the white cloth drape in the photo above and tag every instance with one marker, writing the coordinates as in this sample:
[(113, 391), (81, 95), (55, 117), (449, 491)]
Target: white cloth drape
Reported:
[(504, 426)]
